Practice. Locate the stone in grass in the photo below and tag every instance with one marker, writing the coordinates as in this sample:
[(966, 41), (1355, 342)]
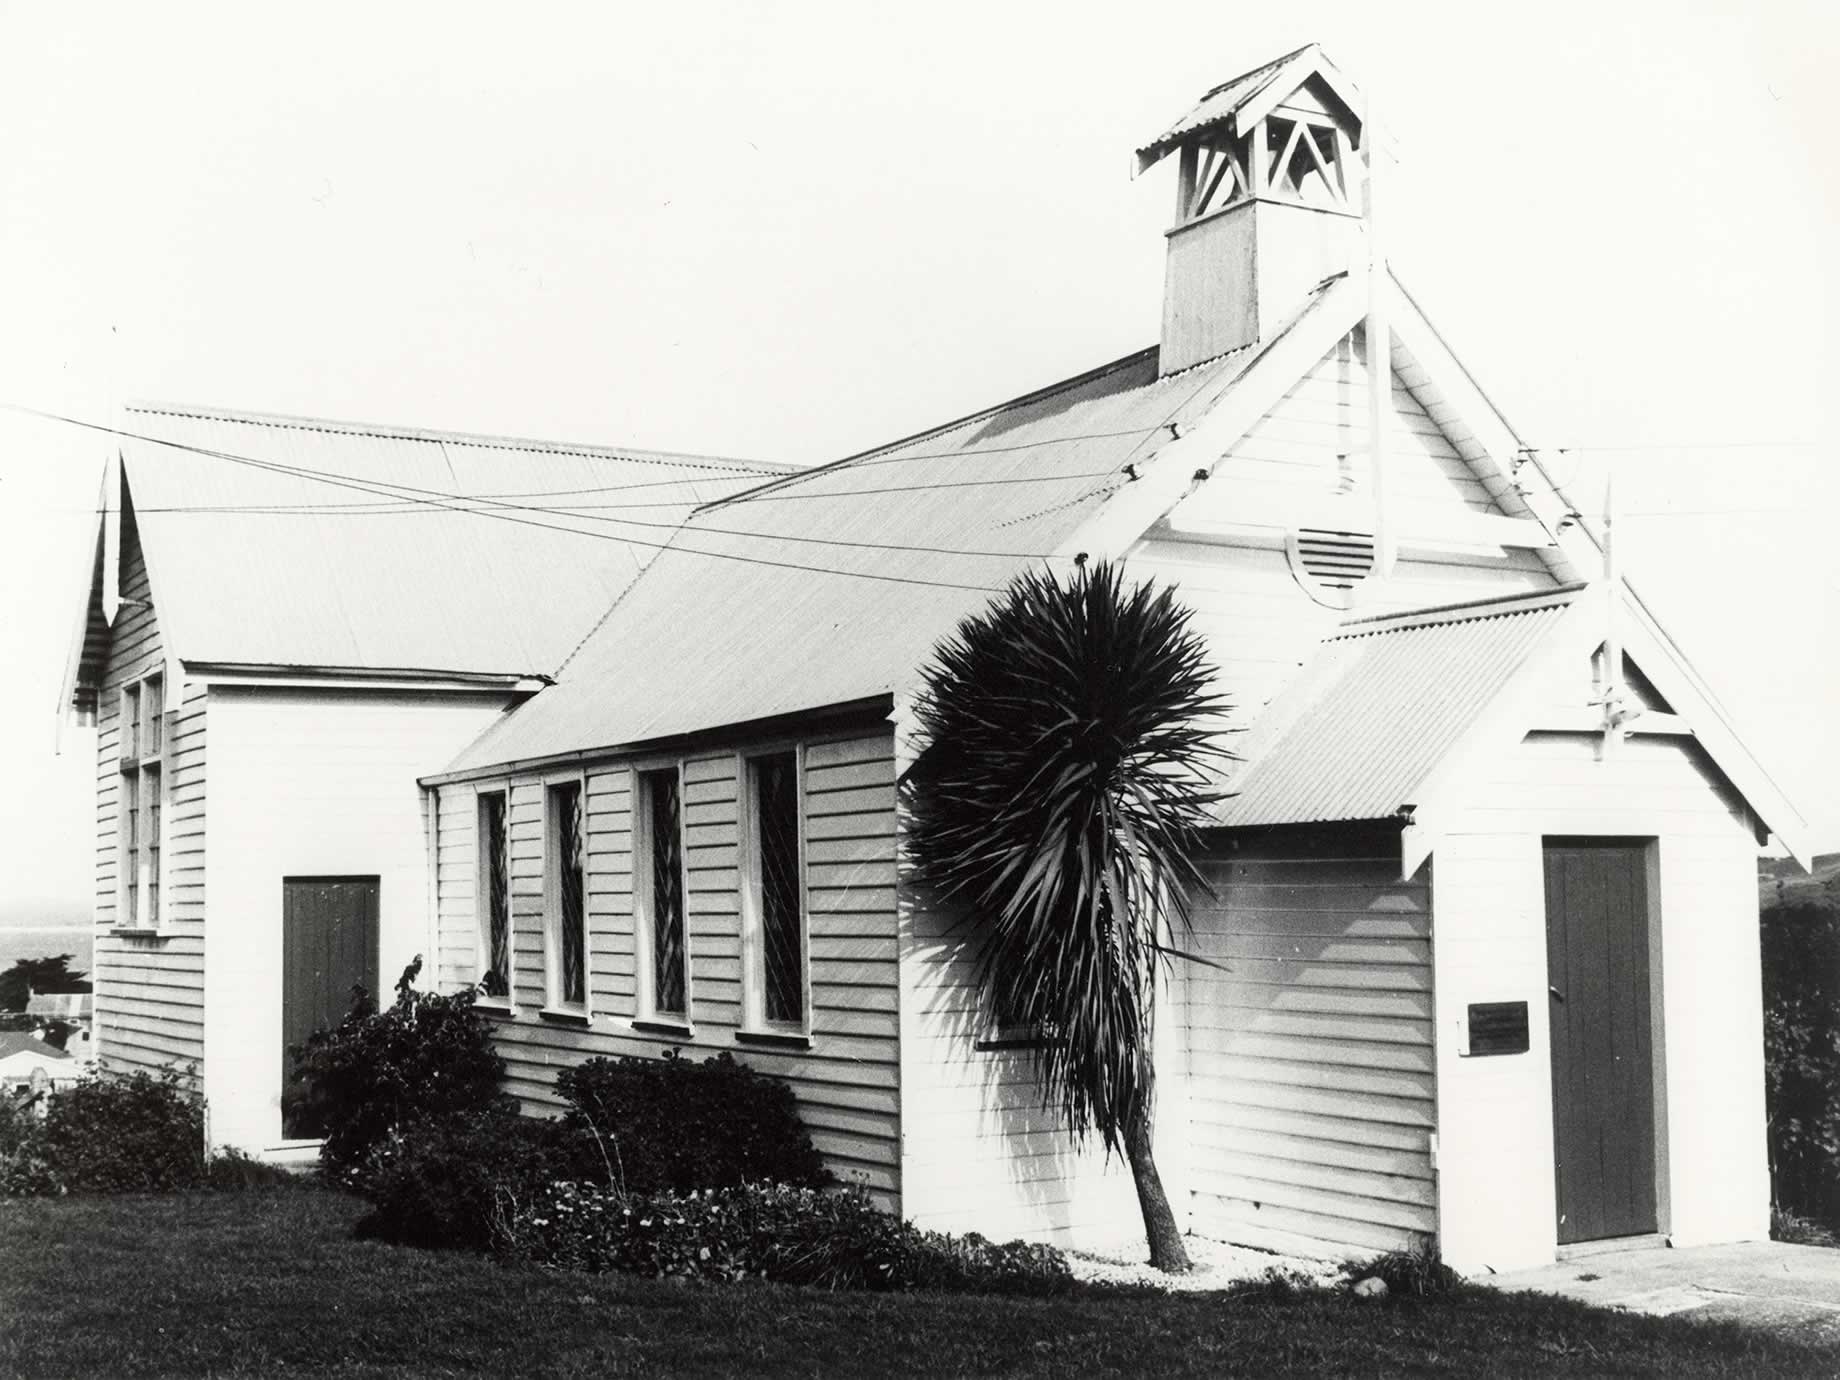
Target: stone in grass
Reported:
[(1373, 1287)]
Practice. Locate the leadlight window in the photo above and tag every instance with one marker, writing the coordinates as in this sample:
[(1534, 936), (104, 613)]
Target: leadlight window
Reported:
[(142, 732), (495, 896), (776, 912), (568, 926), (662, 817)]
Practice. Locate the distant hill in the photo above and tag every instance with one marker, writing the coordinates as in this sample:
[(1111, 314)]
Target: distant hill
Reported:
[(1782, 882)]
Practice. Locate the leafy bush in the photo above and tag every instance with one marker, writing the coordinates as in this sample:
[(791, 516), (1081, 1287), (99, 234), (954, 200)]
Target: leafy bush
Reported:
[(1801, 1049), (1799, 1231), (826, 1239), (111, 1133), (444, 1180), (23, 1166), (232, 1171), (1417, 1273), (376, 1072), (126, 1133), (674, 1125)]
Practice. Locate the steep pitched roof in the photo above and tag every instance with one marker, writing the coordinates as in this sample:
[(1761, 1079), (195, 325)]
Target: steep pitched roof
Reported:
[(1245, 98), (1357, 732), (287, 541), (843, 577), (1390, 715)]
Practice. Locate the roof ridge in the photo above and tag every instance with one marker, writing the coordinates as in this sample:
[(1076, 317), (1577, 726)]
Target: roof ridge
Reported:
[(1021, 400), (1461, 611), (478, 440), (1262, 68)]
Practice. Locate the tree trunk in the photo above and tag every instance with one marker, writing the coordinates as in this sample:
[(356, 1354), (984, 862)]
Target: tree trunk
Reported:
[(1167, 1252)]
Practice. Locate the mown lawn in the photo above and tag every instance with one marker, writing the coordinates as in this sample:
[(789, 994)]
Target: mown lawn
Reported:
[(271, 1283)]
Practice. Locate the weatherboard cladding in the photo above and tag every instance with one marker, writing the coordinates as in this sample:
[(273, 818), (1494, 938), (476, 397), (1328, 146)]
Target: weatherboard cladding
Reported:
[(1377, 708), (831, 586), (256, 567)]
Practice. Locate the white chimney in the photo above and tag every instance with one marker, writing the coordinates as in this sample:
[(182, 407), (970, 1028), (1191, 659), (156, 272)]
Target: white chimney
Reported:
[(1268, 203)]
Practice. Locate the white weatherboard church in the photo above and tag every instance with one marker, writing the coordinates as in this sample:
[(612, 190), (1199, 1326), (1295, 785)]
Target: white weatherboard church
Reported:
[(1483, 932)]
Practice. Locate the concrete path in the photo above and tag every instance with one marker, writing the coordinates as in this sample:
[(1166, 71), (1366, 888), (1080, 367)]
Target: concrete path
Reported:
[(1789, 1289)]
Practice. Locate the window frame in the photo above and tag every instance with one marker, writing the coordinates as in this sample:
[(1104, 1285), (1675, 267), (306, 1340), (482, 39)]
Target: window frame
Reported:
[(482, 900), (140, 803), (648, 1014), (754, 1017), (555, 1003)]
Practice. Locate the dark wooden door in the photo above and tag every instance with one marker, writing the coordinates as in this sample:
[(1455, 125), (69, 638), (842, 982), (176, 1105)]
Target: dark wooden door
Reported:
[(328, 946), (1602, 1047)]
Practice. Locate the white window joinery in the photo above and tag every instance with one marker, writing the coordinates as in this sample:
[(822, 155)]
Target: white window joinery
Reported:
[(143, 797)]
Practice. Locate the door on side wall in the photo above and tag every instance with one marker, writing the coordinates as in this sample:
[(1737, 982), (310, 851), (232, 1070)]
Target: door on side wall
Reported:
[(1597, 966), (328, 946)]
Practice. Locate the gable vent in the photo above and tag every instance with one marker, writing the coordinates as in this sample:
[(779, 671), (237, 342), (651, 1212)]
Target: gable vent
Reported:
[(1329, 564)]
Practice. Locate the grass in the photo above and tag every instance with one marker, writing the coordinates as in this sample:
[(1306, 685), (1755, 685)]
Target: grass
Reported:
[(271, 1283)]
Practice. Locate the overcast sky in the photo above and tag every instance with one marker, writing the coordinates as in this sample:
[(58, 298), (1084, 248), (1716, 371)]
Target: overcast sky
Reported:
[(794, 231)]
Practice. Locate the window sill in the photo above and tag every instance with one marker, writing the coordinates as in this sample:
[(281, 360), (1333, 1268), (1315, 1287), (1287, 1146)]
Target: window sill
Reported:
[(655, 1025), (563, 1015), (495, 1006), (774, 1039), (137, 932), (1021, 1040)]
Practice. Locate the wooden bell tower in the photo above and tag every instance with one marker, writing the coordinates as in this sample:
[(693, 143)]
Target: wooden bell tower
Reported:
[(1268, 203)]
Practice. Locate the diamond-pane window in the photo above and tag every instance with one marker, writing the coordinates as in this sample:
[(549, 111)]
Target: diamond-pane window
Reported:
[(569, 933), (781, 912), (150, 788), (664, 827), (495, 883)]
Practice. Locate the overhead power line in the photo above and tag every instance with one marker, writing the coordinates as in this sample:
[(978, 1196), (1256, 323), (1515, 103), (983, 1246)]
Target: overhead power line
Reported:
[(456, 503)]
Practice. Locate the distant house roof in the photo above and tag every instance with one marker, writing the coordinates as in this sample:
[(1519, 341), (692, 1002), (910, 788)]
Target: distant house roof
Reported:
[(843, 577), (294, 542), (1366, 721), (22, 1042), (60, 1006)]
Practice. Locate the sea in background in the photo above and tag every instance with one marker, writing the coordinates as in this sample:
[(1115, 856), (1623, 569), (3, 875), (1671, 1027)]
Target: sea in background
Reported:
[(47, 941)]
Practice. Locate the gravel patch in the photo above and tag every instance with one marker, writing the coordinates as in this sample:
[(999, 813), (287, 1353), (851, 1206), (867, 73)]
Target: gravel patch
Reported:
[(1217, 1266)]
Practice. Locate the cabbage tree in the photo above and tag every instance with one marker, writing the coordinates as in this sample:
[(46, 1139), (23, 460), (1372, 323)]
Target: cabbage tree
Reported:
[(1066, 765)]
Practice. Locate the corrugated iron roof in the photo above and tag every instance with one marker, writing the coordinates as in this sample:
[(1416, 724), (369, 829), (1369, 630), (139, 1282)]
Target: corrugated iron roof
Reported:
[(861, 566), (1220, 105), (255, 561), (1368, 719)]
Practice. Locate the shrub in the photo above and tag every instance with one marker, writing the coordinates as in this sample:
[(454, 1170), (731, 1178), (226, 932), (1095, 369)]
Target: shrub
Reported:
[(1801, 1050), (1417, 1273), (111, 1133), (1799, 1231), (376, 1072), (444, 1180), (23, 1166), (674, 1125), (825, 1239), (232, 1171)]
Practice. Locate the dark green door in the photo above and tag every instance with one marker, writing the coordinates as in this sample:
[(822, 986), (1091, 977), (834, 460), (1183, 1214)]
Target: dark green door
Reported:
[(1597, 966), (328, 947)]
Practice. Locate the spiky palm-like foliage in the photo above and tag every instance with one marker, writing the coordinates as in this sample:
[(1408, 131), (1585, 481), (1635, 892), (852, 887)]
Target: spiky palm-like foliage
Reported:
[(1066, 767)]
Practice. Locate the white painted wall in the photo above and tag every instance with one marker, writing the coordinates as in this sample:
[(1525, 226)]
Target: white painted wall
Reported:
[(1311, 1066), (1495, 1125), (309, 782), (846, 1082), (978, 1150)]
